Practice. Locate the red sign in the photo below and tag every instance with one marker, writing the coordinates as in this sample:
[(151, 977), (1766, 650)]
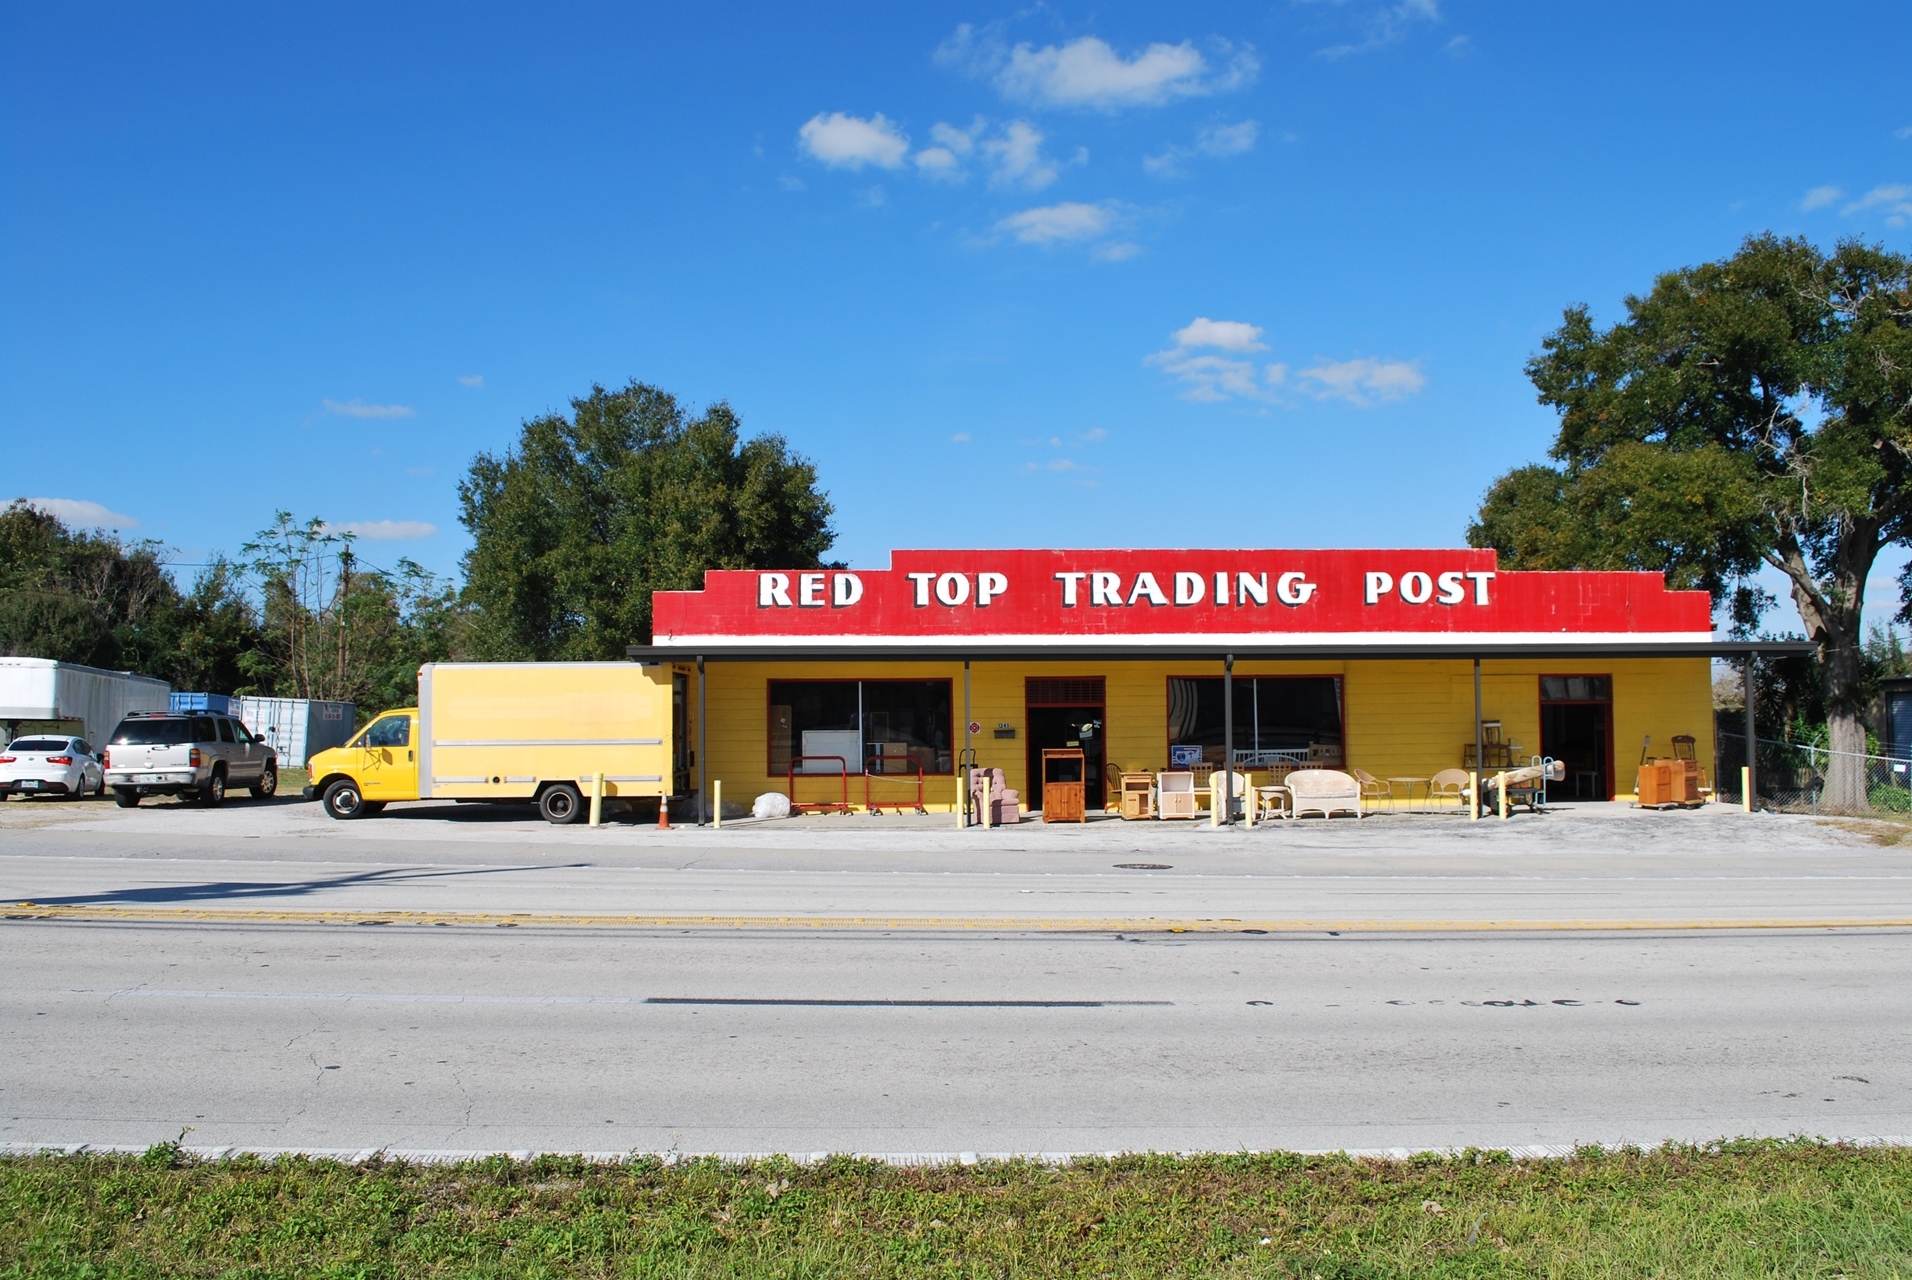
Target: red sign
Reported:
[(1139, 597)]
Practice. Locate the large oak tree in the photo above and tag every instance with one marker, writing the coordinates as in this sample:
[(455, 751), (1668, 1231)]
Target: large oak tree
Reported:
[(574, 528), (1755, 410)]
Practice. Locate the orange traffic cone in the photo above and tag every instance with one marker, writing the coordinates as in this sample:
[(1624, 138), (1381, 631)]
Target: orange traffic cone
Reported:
[(663, 813)]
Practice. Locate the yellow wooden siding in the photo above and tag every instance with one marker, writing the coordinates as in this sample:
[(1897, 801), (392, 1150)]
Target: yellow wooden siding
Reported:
[(1400, 717)]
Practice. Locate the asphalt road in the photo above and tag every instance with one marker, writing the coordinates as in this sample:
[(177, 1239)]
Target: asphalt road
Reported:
[(1070, 1024)]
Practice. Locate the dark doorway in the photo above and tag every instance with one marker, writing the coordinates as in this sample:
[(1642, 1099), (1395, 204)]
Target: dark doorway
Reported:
[(1065, 712), (1576, 728)]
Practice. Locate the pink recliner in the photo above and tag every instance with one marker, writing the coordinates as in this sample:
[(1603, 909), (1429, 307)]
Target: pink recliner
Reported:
[(1005, 805)]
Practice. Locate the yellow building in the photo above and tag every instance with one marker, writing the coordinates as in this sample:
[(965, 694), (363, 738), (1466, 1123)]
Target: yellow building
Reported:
[(860, 687)]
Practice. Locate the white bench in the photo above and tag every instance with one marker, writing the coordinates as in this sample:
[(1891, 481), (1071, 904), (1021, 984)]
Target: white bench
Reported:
[(1323, 791)]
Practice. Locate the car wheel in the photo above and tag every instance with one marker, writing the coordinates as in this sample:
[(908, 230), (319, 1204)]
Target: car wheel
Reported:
[(267, 785), (126, 797), (561, 804), (344, 801), (213, 794)]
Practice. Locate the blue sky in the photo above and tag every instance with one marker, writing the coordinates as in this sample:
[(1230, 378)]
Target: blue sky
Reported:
[(1051, 275)]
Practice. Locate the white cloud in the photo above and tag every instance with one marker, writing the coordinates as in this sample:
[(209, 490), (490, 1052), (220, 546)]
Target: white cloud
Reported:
[(1228, 139), (1364, 381), (359, 409), (1057, 223), (1217, 141), (1017, 158), (384, 530), (473, 380), (1903, 133), (1820, 197), (1115, 251), (1386, 27), (1226, 335), (939, 164), (961, 437), (1894, 198), (80, 512), (1210, 377), (1013, 156), (850, 142), (1087, 72)]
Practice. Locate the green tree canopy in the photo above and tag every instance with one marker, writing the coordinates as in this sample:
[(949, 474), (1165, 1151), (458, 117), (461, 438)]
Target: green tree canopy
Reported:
[(93, 599), (1752, 411), (574, 528)]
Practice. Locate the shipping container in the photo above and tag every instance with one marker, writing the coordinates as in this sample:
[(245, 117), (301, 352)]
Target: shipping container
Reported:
[(40, 694), (297, 728), (218, 704)]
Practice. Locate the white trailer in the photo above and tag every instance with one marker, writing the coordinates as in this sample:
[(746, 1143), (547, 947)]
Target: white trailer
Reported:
[(298, 728), (65, 697)]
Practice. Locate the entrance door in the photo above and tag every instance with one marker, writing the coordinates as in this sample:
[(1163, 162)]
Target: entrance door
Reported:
[(1576, 728), (681, 755), (1065, 712)]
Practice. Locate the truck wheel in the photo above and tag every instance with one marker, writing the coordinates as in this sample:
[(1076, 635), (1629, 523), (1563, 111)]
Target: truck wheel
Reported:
[(126, 797), (343, 801), (213, 794), (267, 784), (561, 803)]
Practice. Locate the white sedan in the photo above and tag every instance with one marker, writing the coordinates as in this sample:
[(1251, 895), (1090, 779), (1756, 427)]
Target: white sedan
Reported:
[(43, 765)]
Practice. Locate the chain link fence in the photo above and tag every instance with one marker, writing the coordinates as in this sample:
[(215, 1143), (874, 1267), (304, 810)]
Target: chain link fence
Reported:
[(1792, 778)]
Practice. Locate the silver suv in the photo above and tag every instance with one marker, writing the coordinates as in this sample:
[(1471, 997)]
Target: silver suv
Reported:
[(195, 754)]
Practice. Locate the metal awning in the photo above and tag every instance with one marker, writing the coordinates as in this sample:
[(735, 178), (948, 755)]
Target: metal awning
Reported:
[(1447, 648)]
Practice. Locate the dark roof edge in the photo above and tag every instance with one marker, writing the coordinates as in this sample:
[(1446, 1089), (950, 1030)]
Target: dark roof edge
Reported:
[(984, 652)]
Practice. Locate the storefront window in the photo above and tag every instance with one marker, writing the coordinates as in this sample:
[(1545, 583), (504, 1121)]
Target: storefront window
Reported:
[(886, 726), (1272, 713)]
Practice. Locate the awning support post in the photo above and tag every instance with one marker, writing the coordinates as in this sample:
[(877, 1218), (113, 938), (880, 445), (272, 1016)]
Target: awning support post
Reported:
[(1478, 763), (1751, 774), (969, 755), (1228, 739), (703, 742)]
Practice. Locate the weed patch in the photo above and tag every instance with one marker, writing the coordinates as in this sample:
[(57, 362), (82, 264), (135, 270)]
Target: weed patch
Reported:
[(1724, 1210)]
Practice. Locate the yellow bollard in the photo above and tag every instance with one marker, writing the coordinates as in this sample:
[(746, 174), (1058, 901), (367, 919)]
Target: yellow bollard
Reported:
[(986, 807), (1214, 802), (1746, 788), (1248, 805), (960, 823), (717, 803), (1500, 785), (1473, 795), (597, 798)]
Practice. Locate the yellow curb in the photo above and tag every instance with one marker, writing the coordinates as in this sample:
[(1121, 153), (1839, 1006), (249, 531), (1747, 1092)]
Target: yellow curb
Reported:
[(236, 915)]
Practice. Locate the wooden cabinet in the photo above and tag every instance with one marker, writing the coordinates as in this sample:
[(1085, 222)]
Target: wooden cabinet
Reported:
[(1064, 785), (1137, 789)]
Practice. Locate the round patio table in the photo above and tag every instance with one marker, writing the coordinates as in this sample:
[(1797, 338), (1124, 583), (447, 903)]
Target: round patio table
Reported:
[(1408, 785)]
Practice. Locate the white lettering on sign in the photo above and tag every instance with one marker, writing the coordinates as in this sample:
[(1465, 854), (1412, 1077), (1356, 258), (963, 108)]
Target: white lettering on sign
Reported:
[(988, 587), (1105, 588), (921, 582), (1221, 588), (1249, 586), (1294, 588), (810, 590), (845, 590), (1070, 581), (952, 589), (1145, 585), (1189, 588), (773, 589), (1418, 587)]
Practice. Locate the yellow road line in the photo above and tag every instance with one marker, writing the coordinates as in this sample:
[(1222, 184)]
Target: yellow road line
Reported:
[(1130, 924)]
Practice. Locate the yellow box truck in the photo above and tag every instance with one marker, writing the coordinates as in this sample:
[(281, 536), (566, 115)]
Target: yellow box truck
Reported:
[(515, 732)]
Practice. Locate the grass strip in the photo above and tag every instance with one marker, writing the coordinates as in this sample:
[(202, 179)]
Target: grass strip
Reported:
[(1745, 1208)]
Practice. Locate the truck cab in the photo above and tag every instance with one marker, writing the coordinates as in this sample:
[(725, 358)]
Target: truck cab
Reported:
[(377, 765)]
